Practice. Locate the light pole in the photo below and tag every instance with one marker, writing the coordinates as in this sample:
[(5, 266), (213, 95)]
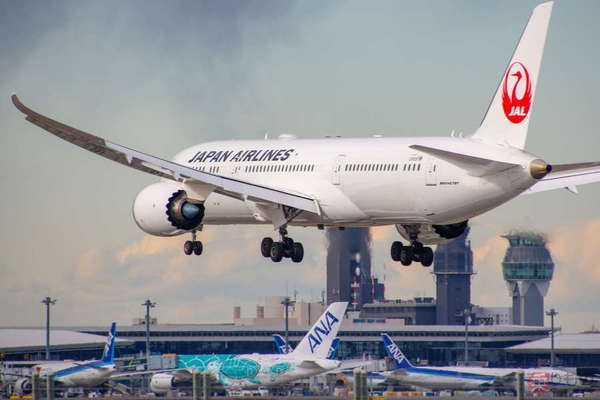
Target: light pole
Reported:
[(466, 314), (48, 302), (287, 302), (148, 304), (552, 313)]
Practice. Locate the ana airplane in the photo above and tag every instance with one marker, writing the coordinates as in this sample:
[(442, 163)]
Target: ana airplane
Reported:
[(76, 374), (284, 348), (253, 370), (537, 380), (428, 187)]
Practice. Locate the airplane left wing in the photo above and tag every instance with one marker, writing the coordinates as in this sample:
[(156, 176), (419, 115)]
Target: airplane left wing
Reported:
[(167, 169)]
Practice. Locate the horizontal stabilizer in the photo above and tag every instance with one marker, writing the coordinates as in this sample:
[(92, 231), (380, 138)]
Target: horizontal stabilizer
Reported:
[(476, 166), (567, 176)]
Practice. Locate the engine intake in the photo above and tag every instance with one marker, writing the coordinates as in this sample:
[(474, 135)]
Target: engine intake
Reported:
[(182, 213), (162, 383)]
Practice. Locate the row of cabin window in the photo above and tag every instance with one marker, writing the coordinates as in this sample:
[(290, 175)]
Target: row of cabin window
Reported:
[(411, 167), (280, 168), (212, 169), (371, 167)]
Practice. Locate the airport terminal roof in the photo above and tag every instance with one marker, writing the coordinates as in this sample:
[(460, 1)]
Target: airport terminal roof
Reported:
[(32, 339), (563, 343)]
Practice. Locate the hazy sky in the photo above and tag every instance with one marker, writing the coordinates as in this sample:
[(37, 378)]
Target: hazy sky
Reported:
[(161, 76)]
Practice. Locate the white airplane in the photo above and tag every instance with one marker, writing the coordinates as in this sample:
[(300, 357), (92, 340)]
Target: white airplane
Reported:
[(428, 187), (76, 374), (537, 380), (253, 370)]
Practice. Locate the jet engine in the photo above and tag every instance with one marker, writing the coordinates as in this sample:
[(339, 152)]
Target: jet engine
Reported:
[(162, 383), (22, 386), (450, 231), (164, 209)]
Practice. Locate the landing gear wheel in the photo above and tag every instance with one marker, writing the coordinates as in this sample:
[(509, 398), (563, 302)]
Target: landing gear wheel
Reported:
[(197, 248), (188, 247), (265, 247), (297, 252), (277, 251), (288, 242), (427, 256), (395, 250), (406, 255)]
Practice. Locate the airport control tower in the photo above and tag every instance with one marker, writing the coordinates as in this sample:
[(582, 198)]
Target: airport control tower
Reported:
[(527, 268), (453, 267)]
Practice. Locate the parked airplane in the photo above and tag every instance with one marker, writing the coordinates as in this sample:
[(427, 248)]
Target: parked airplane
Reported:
[(253, 370), (76, 374), (284, 348), (428, 187), (537, 380)]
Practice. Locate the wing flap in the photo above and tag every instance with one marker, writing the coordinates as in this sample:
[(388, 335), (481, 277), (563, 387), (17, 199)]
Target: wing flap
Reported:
[(475, 165), (166, 169)]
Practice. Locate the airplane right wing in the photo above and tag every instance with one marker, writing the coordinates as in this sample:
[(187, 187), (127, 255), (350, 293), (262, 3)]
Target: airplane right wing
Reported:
[(167, 169)]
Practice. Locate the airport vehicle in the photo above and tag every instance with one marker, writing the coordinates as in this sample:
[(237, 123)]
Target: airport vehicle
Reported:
[(76, 374), (253, 370), (427, 187), (284, 348), (537, 380)]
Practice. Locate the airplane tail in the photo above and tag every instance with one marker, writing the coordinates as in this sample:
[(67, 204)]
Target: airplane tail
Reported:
[(507, 117), (281, 345), (332, 355), (392, 349), (109, 347), (318, 340)]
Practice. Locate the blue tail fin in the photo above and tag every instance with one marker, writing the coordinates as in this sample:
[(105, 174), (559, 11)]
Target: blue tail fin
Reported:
[(333, 349), (394, 351), (109, 347), (281, 345)]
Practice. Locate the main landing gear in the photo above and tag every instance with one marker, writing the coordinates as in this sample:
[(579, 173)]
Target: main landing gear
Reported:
[(192, 246), (415, 252), (284, 248)]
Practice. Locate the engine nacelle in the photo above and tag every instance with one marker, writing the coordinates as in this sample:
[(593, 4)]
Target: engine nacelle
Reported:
[(164, 209), (451, 231), (22, 386), (162, 383)]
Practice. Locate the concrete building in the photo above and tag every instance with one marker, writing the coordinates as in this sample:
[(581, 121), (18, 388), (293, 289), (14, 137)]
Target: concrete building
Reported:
[(272, 313), (527, 269), (492, 315), (419, 311), (453, 267), (349, 268)]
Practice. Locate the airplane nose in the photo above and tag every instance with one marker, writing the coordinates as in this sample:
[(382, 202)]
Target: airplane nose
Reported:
[(539, 168)]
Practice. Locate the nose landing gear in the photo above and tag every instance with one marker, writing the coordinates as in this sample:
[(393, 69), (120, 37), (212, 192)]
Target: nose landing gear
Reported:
[(286, 247)]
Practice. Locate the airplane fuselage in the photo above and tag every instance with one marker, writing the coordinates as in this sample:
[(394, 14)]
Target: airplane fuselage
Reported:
[(363, 181), (71, 374)]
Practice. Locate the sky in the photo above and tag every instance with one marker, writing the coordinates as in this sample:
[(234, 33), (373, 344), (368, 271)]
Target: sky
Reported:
[(162, 76)]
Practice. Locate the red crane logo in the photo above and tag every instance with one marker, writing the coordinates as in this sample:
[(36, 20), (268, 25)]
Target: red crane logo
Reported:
[(516, 100)]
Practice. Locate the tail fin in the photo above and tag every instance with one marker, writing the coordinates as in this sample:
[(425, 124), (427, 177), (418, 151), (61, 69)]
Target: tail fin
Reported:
[(318, 340), (281, 345), (109, 347), (394, 351), (507, 117), (332, 355)]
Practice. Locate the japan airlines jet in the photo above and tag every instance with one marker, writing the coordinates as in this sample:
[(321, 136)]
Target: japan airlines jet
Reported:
[(77, 374), (252, 370), (427, 187), (537, 380)]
